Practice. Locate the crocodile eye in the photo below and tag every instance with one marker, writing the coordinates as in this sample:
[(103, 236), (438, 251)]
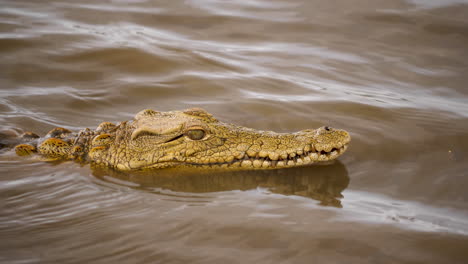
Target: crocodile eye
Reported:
[(195, 134)]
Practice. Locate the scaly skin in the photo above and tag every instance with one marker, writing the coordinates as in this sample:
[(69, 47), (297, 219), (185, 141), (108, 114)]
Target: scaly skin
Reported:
[(190, 138)]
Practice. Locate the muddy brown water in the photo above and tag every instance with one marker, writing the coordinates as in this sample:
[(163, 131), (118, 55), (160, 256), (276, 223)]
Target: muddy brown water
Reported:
[(393, 73)]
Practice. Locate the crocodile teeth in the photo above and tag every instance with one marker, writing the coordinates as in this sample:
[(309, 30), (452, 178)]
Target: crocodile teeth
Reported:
[(257, 163), (246, 163), (252, 153), (282, 158), (263, 154), (266, 164), (314, 156), (273, 155)]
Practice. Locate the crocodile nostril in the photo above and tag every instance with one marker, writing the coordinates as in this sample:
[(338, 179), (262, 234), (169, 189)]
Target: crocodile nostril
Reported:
[(327, 128)]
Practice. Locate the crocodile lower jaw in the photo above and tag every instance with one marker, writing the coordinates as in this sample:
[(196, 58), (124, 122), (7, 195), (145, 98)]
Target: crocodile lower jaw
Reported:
[(306, 158)]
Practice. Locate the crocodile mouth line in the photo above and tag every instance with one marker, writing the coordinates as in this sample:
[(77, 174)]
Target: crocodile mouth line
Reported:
[(292, 160)]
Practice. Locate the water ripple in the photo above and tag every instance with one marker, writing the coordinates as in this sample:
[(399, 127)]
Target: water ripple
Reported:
[(392, 73)]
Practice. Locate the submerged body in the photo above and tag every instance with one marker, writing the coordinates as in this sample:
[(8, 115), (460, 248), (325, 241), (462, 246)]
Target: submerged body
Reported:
[(186, 138)]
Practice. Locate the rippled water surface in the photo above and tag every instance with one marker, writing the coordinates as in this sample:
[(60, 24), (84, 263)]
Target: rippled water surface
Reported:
[(392, 73)]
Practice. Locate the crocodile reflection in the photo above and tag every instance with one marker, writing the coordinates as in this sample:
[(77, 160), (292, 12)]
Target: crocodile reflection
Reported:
[(322, 183)]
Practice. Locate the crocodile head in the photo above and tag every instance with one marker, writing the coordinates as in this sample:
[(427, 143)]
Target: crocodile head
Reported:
[(195, 138)]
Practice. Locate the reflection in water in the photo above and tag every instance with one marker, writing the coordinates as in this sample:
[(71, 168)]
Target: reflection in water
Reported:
[(8, 139), (391, 72), (321, 183)]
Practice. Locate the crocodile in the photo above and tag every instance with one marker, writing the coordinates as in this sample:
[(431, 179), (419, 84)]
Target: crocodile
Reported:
[(186, 138)]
